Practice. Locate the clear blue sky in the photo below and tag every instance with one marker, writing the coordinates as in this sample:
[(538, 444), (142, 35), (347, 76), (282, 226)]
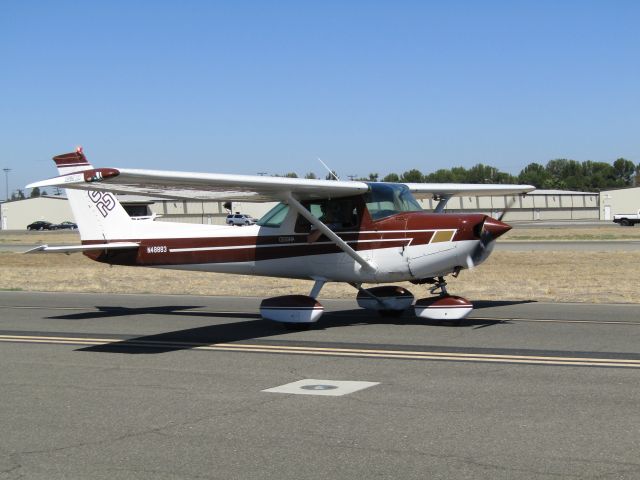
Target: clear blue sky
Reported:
[(368, 86)]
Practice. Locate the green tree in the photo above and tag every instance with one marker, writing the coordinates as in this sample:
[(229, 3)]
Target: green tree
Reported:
[(412, 176), (310, 176), (536, 175), (459, 175), (35, 192), (18, 195), (624, 170), (598, 175), (481, 173), (392, 177)]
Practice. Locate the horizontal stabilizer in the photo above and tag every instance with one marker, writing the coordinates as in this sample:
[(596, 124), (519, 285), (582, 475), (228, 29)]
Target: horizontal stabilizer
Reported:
[(84, 248)]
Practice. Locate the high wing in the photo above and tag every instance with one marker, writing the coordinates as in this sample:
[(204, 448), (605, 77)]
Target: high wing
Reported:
[(203, 186), (216, 186), (447, 190)]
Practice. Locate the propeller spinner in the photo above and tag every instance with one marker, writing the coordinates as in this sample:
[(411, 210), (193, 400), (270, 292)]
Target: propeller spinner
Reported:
[(488, 231)]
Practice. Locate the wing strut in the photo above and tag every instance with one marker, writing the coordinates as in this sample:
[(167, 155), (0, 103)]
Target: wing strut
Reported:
[(442, 202), (298, 207)]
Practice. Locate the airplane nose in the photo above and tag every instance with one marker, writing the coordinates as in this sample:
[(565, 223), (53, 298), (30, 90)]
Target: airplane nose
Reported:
[(496, 227)]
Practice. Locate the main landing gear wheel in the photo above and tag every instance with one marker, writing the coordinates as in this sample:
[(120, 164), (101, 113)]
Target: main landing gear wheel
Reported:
[(294, 312), (389, 300)]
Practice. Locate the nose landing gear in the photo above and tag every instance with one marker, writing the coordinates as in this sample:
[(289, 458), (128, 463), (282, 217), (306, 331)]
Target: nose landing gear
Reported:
[(442, 306)]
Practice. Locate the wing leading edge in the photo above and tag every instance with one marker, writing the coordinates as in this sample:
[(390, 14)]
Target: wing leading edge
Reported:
[(445, 190), (217, 186), (203, 186)]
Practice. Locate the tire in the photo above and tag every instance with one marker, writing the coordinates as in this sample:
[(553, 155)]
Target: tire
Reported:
[(625, 223), (247, 223)]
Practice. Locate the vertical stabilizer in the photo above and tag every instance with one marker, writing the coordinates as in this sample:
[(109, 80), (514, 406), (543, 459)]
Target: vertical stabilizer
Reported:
[(98, 214)]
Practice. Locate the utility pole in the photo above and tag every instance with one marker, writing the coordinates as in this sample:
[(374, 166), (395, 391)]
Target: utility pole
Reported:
[(6, 182)]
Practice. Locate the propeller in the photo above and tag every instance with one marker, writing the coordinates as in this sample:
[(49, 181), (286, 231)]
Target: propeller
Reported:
[(488, 230)]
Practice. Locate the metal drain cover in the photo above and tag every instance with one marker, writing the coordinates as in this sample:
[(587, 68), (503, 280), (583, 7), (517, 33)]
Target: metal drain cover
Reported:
[(311, 386)]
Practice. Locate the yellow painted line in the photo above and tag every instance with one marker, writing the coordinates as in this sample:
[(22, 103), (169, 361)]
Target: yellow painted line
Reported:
[(545, 320), (344, 352), (134, 311), (37, 307)]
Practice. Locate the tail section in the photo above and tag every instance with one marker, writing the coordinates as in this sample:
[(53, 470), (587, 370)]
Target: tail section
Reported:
[(98, 214)]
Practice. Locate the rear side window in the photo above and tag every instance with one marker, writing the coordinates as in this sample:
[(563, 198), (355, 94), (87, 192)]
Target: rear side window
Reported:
[(275, 216)]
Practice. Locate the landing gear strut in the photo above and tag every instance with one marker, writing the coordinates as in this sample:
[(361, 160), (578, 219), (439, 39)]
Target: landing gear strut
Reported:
[(438, 284)]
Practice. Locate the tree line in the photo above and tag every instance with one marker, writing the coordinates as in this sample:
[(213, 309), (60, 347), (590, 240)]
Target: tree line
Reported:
[(561, 173)]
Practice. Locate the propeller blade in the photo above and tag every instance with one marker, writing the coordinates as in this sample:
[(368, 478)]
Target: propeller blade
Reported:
[(490, 230), (507, 208)]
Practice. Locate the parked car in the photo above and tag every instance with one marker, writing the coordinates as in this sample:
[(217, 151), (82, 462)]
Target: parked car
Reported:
[(41, 225), (627, 219), (67, 225), (240, 219)]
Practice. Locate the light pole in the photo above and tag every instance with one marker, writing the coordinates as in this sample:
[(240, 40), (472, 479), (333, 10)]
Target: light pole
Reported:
[(6, 181)]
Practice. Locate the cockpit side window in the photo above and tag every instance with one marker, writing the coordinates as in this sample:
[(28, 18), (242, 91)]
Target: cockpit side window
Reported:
[(274, 217), (336, 213), (387, 199)]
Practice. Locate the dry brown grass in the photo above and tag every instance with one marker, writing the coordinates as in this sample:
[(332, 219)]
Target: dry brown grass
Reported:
[(37, 238), (543, 276), (603, 232)]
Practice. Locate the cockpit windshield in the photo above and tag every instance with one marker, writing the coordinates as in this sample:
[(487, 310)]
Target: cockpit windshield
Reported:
[(386, 199)]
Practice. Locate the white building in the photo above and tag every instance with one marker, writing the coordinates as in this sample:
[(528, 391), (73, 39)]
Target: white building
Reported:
[(621, 200), (17, 214), (537, 205)]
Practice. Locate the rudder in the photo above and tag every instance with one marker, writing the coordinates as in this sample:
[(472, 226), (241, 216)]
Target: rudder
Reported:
[(98, 214)]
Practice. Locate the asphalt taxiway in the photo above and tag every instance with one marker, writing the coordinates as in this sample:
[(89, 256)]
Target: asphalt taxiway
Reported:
[(146, 386)]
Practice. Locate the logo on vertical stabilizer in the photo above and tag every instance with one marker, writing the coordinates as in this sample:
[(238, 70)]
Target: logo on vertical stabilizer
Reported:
[(104, 201)]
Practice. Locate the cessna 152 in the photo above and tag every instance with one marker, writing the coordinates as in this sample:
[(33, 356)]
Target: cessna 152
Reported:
[(326, 231)]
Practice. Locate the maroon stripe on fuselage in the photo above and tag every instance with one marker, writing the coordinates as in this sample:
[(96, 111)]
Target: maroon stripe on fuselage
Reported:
[(383, 234)]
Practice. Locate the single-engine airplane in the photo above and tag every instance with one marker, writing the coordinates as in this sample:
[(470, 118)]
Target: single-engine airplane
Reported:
[(322, 230)]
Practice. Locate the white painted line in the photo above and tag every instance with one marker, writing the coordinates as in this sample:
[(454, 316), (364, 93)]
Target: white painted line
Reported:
[(330, 388)]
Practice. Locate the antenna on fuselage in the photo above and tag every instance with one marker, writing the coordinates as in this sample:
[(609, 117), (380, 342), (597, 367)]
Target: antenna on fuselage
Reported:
[(331, 172)]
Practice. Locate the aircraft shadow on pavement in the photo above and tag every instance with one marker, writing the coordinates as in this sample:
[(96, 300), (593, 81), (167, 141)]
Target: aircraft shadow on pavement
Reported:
[(254, 329), (182, 310)]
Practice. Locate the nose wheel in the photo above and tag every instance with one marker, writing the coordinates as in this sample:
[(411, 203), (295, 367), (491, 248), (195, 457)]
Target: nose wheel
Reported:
[(441, 306)]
